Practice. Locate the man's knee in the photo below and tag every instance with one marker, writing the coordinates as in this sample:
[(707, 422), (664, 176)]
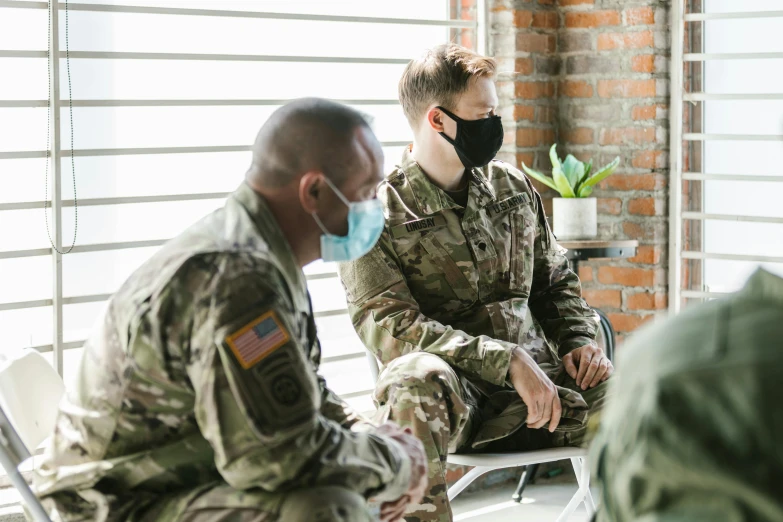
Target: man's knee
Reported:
[(223, 502), (423, 373), (325, 504), (418, 367), (421, 388)]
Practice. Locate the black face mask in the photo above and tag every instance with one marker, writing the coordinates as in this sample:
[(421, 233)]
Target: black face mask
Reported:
[(477, 141)]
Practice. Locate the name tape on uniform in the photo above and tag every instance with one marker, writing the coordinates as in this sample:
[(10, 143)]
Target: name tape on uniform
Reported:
[(256, 340), (517, 200), (419, 225)]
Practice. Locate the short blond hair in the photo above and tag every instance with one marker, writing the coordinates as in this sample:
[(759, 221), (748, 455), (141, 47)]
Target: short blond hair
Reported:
[(440, 76)]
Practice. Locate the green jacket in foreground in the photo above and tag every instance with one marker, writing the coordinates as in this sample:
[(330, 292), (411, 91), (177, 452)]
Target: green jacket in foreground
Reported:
[(693, 431), (203, 369)]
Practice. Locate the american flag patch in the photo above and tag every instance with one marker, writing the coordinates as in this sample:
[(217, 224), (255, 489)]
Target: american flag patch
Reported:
[(258, 339)]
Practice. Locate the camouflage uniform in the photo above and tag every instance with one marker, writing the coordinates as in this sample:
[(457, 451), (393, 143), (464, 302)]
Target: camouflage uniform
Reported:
[(694, 435), (198, 397), (443, 299)]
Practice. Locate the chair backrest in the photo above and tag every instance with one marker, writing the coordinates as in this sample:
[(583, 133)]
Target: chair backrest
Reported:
[(15, 450), (374, 367), (30, 393)]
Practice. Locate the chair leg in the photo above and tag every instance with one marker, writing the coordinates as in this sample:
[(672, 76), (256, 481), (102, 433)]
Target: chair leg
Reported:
[(527, 477), (583, 478), (577, 499), (465, 481), (31, 501), (582, 473)]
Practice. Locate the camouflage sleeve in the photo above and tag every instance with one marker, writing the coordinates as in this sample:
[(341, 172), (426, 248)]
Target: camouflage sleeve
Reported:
[(337, 410), (259, 400), (556, 294), (389, 322), (687, 434)]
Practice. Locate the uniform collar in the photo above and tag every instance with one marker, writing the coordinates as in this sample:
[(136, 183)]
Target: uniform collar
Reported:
[(764, 285), (267, 229), (431, 199)]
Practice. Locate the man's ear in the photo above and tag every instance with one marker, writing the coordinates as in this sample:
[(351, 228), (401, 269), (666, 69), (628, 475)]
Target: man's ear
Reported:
[(310, 186), (435, 119)]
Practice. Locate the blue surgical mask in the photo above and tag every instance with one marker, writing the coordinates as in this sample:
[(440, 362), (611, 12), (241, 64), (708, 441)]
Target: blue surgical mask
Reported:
[(365, 224)]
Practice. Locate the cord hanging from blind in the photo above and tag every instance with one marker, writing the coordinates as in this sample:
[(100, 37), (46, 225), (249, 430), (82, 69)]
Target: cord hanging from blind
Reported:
[(48, 128)]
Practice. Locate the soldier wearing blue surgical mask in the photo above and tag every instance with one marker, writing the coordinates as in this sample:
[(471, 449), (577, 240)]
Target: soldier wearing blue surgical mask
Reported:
[(365, 224), (199, 397), (322, 188)]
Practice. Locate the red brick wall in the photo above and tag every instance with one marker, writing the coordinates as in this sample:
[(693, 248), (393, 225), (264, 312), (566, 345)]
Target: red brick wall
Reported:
[(527, 85), (592, 76)]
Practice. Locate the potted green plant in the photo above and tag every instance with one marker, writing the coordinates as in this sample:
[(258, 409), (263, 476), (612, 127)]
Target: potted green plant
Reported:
[(575, 214)]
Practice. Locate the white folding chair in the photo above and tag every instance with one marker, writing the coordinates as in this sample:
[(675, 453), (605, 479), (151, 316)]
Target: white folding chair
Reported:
[(485, 462), (30, 391)]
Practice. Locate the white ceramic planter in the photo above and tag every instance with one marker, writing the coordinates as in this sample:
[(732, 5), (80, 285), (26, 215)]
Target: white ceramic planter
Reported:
[(575, 218)]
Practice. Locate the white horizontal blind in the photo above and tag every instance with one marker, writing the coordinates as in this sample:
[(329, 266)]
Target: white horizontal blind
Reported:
[(727, 218), (167, 95)]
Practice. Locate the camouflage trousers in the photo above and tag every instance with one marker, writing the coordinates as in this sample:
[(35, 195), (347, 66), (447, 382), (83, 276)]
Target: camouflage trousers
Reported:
[(451, 414), (217, 502)]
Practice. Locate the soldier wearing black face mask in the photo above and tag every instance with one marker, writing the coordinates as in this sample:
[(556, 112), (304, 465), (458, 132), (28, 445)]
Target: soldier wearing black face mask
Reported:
[(467, 299), (477, 141)]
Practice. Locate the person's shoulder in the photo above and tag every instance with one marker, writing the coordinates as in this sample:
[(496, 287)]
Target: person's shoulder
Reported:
[(226, 277), (504, 176), (670, 346), (397, 196), (714, 337), (510, 185), (395, 182), (498, 167)]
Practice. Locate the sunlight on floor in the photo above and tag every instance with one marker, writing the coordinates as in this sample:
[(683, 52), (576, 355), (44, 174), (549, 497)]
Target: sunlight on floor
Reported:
[(541, 503)]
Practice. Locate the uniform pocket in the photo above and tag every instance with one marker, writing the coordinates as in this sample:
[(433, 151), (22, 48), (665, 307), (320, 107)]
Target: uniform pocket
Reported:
[(523, 235), (443, 265), (433, 276)]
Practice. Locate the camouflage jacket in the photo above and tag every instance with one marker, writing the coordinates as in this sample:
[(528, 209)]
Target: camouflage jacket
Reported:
[(467, 288), (204, 366), (694, 435)]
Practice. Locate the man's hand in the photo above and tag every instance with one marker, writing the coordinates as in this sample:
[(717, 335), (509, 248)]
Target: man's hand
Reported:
[(537, 391), (588, 366), (392, 511)]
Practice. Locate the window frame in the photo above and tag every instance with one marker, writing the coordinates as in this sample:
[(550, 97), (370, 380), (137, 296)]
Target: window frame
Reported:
[(680, 138), (57, 153)]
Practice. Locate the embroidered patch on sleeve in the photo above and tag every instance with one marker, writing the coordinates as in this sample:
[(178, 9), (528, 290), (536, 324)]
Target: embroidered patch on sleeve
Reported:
[(258, 339)]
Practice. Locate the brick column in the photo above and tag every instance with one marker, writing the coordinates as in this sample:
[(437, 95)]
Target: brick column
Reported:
[(523, 38), (592, 75)]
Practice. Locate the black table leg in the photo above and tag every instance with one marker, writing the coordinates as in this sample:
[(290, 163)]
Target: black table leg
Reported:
[(527, 477)]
